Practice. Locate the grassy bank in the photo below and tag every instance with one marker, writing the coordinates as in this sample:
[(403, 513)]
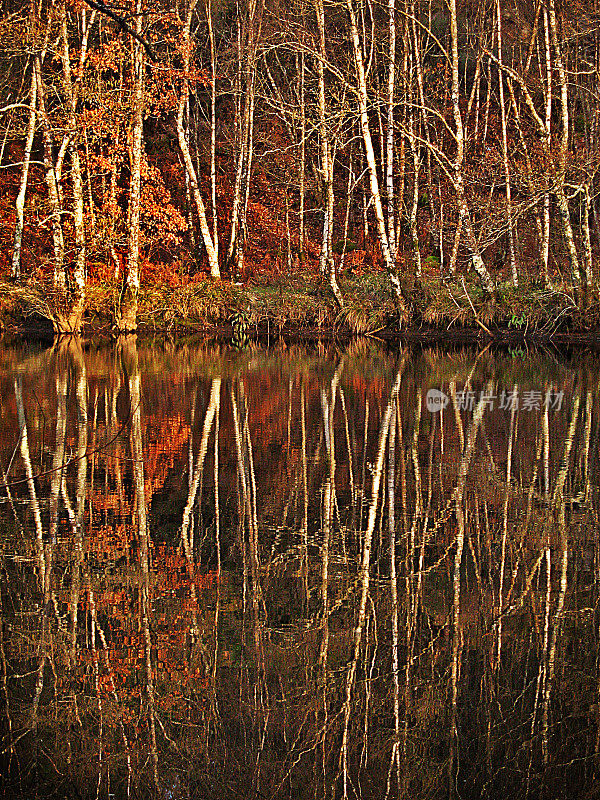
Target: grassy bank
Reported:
[(301, 303)]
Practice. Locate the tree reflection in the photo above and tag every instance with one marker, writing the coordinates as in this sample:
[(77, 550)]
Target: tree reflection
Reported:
[(283, 575)]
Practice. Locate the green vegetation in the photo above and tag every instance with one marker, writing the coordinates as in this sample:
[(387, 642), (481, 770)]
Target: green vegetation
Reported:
[(299, 303)]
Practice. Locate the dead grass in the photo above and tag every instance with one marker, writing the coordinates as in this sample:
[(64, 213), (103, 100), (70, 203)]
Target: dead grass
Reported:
[(302, 300), (196, 304), (18, 302), (530, 308)]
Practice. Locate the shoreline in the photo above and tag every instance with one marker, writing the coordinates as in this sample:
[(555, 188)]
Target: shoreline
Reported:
[(412, 336), (302, 308)]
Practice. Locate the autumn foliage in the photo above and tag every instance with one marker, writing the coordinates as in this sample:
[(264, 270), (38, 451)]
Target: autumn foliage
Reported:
[(470, 148)]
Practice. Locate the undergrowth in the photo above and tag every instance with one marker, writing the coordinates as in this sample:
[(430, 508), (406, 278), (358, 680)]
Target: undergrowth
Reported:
[(301, 300)]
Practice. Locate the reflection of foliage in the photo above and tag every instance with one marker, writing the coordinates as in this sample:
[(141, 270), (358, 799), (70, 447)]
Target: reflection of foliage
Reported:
[(248, 666)]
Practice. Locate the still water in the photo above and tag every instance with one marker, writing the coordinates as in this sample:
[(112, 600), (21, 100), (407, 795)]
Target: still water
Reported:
[(298, 572)]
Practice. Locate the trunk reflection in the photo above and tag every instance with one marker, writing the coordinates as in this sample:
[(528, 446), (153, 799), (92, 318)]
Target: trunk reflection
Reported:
[(282, 573)]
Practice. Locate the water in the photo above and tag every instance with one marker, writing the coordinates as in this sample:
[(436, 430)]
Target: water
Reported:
[(299, 572)]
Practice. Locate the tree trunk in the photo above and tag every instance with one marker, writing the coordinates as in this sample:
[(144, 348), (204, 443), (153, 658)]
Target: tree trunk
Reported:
[(389, 175), (246, 84), (463, 208), (211, 251), (414, 148), (302, 161), (509, 214), (59, 277), (70, 308), (326, 260), (370, 157), (213, 129), (20, 203), (563, 205), (128, 305)]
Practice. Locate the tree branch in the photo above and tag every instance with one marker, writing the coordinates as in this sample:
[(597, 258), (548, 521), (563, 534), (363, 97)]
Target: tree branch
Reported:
[(104, 9)]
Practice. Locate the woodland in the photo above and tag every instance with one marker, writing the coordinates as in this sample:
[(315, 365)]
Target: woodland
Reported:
[(356, 164)]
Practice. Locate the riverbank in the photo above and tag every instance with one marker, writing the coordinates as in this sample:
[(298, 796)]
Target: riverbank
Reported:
[(302, 305)]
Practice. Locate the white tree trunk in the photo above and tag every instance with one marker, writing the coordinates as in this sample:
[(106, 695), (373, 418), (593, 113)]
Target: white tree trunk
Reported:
[(561, 198), (366, 136), (390, 129), (326, 260), (127, 322), (211, 251), (59, 277), (20, 203), (509, 215), (463, 208)]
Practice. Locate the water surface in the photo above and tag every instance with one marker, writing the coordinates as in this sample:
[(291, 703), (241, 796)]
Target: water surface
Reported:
[(298, 572)]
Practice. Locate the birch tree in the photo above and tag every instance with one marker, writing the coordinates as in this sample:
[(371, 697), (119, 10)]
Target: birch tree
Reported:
[(458, 177), (365, 129), (326, 260), (20, 202), (207, 237), (128, 306)]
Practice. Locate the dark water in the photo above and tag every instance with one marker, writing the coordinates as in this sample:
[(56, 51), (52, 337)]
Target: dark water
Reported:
[(298, 573)]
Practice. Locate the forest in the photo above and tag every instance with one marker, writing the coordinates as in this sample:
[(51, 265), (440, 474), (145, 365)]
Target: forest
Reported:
[(354, 165)]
